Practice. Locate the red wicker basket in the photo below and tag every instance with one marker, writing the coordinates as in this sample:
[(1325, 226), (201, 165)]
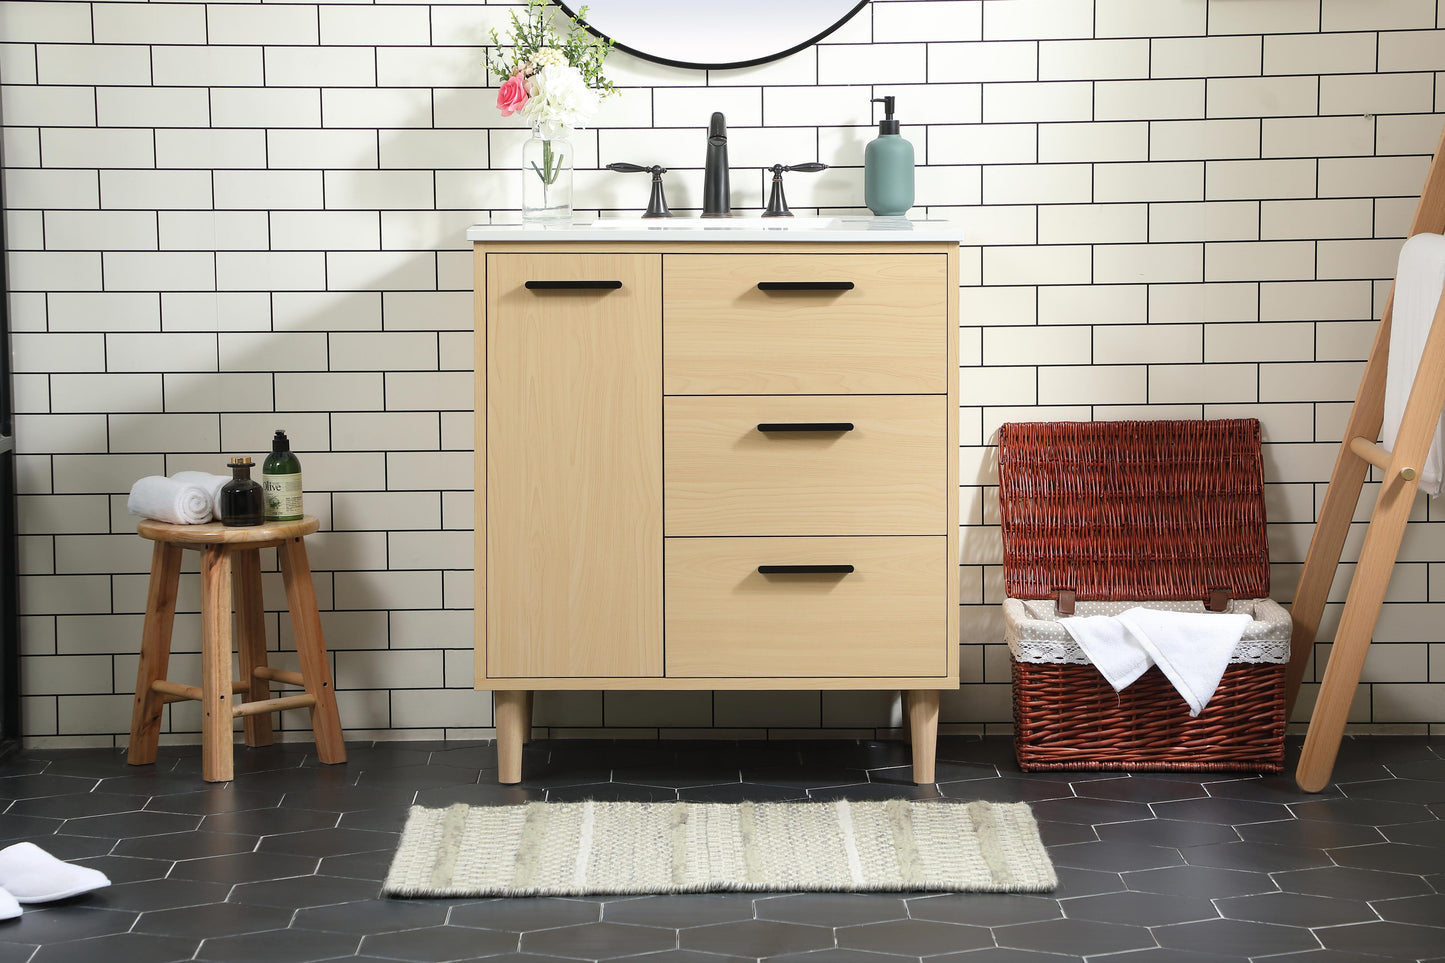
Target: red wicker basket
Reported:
[(1136, 511)]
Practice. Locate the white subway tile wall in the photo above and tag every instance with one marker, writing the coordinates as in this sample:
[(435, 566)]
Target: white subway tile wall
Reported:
[(226, 218)]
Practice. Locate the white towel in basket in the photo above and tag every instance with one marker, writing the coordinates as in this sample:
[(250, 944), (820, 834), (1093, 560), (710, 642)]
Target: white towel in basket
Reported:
[(167, 500), (1418, 280), (1191, 649)]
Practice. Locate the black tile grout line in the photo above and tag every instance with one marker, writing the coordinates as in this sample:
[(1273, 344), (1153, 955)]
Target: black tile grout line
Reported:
[(309, 889)]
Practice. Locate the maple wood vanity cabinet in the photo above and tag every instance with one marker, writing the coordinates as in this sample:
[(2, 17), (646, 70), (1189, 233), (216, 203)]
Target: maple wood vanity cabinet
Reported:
[(716, 459)]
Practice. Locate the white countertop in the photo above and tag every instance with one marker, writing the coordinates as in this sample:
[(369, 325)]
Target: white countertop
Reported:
[(744, 228)]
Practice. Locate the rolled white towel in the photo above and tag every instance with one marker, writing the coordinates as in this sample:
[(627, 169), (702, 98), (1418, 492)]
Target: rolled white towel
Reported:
[(167, 500), (211, 483)]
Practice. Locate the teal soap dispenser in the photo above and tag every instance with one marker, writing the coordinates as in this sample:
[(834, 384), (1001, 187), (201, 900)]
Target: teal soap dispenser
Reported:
[(888, 167)]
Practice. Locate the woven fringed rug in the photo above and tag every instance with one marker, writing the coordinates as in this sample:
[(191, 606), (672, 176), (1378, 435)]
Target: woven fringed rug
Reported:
[(597, 848)]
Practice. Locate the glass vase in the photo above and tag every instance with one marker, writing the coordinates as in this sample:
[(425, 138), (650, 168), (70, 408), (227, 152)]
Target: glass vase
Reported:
[(547, 178)]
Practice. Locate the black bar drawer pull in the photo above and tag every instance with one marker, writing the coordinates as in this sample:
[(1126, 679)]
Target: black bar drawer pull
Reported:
[(573, 285), (805, 285), (805, 569), (807, 426)]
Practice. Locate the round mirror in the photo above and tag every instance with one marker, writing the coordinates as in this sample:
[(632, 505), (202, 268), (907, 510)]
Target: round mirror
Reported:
[(738, 33)]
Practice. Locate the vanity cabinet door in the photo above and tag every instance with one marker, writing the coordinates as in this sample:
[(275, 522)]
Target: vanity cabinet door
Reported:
[(573, 507)]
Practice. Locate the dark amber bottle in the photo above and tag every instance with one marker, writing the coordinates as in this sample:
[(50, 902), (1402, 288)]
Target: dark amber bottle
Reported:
[(242, 504)]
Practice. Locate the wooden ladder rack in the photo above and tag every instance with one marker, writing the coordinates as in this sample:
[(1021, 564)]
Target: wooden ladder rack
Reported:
[(1399, 482)]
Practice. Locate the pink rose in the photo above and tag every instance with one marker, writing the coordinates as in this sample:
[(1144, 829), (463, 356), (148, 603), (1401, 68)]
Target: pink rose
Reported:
[(512, 95)]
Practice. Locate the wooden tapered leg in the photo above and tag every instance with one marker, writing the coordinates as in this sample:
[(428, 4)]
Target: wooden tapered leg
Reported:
[(907, 721), (527, 718), (510, 708), (923, 723), (155, 653), (251, 640), (311, 650), (216, 719)]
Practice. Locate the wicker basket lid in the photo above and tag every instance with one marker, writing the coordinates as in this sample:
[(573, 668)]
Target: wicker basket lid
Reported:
[(1118, 510)]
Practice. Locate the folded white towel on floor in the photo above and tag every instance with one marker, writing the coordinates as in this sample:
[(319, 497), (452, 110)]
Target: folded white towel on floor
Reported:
[(167, 500), (211, 483), (9, 908), (1419, 278), (32, 875), (1192, 649)]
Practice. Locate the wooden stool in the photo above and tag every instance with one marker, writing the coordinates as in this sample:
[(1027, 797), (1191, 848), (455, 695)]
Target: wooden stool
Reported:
[(229, 554)]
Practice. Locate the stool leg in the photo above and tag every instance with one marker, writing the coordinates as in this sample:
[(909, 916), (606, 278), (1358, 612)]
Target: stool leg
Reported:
[(527, 717), (155, 653), (311, 650), (923, 721), (510, 707), (251, 640), (217, 738)]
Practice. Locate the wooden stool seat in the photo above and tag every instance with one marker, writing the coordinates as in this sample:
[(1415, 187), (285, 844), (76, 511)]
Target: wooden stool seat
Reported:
[(231, 583)]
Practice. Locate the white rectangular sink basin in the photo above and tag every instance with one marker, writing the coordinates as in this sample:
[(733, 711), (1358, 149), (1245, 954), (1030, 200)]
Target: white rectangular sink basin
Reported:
[(746, 223)]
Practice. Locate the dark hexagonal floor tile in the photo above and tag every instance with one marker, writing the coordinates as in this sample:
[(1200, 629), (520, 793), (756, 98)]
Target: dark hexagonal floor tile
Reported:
[(18, 952), (1270, 789), (214, 919), (1086, 882), (391, 820), (1391, 857), (818, 956), (193, 845), (920, 937), (611, 792), (131, 824), (120, 948), (741, 792), (1295, 909), (1091, 811), (1171, 955), (1350, 883), (303, 891), (1417, 834), (1074, 936), (31, 785), (158, 894), (1140, 789), (329, 842), (244, 867), (279, 946), (127, 869), (603, 941), (756, 938), (1254, 856), (1003, 954), (1115, 857), (1202, 881), (875, 791), (65, 922), (1311, 833), (1363, 812), (372, 866), (372, 916), (438, 944), (521, 915), (804, 777), (77, 805), (268, 822), (832, 909), (1231, 812), (949, 772), (1428, 910), (673, 776), (204, 802), (1062, 834), (1420, 769), (1401, 939), (1398, 790), (679, 911), (1235, 937), (72, 847), (1140, 909), (340, 799), (983, 909), (1008, 788), (1175, 833), (14, 828), (482, 794), (554, 775)]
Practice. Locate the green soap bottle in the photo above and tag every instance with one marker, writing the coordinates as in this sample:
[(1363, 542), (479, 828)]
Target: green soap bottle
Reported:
[(888, 167), (281, 480)]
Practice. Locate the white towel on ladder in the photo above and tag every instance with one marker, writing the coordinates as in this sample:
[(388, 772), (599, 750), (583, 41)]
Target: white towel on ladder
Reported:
[(1418, 281)]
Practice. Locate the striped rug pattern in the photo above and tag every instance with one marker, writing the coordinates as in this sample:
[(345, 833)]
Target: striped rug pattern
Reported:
[(595, 848)]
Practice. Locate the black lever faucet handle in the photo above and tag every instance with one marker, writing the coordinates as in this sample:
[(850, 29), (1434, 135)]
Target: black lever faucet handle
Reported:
[(810, 168), (777, 203), (656, 203)]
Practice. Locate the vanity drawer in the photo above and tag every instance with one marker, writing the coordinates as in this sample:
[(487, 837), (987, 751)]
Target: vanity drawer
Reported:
[(885, 618), (886, 333), (805, 465)]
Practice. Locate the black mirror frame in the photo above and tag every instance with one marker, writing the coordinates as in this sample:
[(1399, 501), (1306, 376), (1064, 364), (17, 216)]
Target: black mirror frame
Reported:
[(569, 10)]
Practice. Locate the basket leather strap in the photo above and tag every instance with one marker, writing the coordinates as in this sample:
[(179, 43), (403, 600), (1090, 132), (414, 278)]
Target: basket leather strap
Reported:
[(1218, 600), (1066, 599)]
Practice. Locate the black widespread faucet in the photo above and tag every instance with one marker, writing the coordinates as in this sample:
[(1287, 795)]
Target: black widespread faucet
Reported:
[(716, 195)]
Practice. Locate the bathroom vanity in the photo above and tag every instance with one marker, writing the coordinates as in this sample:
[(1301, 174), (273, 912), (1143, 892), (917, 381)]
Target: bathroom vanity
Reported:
[(717, 455)]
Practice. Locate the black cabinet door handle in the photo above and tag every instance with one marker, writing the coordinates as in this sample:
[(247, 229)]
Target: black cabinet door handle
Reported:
[(573, 285), (805, 285), (806, 426), (804, 569)]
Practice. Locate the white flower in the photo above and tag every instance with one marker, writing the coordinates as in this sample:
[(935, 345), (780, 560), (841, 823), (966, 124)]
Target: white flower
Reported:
[(549, 57), (560, 99)]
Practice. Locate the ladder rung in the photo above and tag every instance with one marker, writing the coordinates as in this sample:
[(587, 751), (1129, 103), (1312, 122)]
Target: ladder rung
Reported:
[(176, 692), (273, 705), (278, 675), (1376, 455)]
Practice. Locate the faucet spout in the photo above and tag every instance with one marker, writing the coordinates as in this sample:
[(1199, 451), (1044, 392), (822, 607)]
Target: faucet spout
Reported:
[(716, 194)]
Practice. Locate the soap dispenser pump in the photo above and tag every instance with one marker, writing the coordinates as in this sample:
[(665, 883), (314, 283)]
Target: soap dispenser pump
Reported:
[(888, 167)]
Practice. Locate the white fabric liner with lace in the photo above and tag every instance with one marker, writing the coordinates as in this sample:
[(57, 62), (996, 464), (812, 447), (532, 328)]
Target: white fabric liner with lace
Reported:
[(1034, 634)]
